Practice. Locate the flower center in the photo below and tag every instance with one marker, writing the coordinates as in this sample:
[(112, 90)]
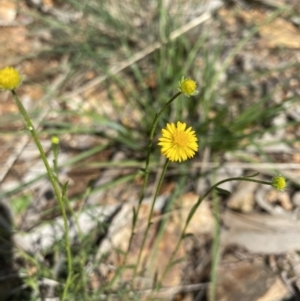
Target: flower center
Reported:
[(181, 139)]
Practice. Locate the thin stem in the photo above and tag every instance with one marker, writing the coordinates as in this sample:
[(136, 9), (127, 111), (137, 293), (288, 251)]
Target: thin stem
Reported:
[(145, 182), (215, 248), (54, 184), (149, 223), (192, 212), (155, 121)]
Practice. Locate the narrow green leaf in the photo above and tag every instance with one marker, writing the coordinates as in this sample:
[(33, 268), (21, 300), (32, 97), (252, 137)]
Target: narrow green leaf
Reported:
[(252, 176), (222, 191)]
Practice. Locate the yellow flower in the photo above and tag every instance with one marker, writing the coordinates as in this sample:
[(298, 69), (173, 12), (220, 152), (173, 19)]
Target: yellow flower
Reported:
[(178, 143), (9, 78), (279, 182), (188, 87)]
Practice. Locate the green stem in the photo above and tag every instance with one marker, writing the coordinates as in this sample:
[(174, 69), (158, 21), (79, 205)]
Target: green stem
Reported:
[(149, 223), (145, 182), (55, 186), (215, 248), (155, 121), (192, 212)]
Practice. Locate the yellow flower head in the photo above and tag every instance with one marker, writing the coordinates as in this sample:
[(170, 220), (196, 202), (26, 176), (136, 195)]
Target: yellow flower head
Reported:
[(188, 87), (9, 78), (178, 143), (279, 182)]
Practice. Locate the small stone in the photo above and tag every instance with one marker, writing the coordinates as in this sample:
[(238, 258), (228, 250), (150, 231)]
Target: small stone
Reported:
[(243, 200), (281, 197)]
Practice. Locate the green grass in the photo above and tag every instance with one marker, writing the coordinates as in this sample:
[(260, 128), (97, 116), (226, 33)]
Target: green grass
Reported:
[(120, 112)]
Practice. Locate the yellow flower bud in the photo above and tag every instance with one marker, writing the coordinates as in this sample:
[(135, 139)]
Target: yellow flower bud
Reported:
[(55, 140), (9, 78), (279, 182), (188, 87)]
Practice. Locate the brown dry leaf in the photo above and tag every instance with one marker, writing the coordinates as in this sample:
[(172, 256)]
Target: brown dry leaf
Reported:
[(261, 233), (280, 33), (277, 291)]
